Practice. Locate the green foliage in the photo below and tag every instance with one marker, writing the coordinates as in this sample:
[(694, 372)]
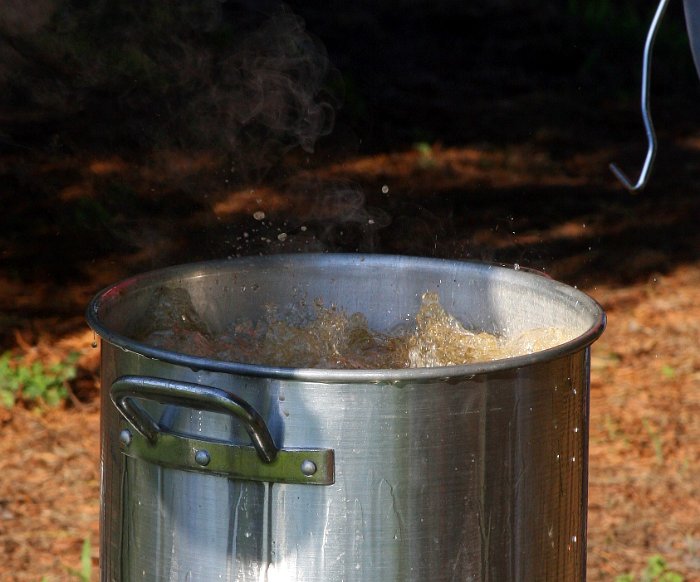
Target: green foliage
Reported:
[(656, 571), (656, 441), (426, 155), (35, 383), (85, 572)]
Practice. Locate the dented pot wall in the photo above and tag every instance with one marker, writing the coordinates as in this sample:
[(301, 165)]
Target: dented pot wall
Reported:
[(234, 472)]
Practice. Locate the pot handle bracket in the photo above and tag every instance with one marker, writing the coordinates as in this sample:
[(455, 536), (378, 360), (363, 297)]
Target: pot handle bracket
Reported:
[(145, 438)]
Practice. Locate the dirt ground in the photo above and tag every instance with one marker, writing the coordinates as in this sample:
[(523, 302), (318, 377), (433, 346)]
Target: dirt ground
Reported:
[(517, 176)]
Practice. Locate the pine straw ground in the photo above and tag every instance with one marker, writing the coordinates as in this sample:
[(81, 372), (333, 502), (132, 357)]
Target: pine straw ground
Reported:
[(636, 259)]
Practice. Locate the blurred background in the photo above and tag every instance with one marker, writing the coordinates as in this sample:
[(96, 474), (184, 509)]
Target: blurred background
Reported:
[(137, 135)]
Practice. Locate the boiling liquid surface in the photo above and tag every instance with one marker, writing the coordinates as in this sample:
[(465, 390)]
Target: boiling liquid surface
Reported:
[(331, 338)]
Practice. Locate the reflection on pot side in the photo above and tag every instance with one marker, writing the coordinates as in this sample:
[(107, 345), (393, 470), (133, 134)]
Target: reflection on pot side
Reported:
[(475, 472)]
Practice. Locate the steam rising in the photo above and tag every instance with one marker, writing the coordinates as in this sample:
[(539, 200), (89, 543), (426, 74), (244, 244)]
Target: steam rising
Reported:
[(269, 93), (278, 72), (221, 80), (171, 73), (341, 206)]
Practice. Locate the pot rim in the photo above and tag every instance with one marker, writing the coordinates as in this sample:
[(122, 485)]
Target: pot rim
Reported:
[(329, 375)]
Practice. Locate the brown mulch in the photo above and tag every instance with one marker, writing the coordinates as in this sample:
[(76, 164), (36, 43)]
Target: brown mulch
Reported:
[(645, 390), (644, 451), (645, 428), (49, 492)]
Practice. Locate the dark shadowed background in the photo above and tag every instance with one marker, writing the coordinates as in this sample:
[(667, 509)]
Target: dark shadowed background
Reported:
[(135, 135)]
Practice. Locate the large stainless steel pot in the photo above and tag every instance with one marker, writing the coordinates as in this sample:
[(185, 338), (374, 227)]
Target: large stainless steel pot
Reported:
[(217, 470)]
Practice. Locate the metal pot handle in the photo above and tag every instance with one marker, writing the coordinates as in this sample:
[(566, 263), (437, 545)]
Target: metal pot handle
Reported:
[(262, 462), (125, 389)]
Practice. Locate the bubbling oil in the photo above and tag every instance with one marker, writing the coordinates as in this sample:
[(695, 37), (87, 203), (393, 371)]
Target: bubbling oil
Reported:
[(330, 338)]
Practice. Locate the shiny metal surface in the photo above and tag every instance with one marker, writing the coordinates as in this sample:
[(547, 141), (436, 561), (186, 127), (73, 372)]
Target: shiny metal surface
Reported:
[(692, 21), (125, 392), (464, 473), (261, 462), (646, 107)]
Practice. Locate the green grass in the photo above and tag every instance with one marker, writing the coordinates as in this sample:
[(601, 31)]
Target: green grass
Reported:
[(35, 383), (84, 573), (656, 571), (656, 440), (426, 157), (668, 372)]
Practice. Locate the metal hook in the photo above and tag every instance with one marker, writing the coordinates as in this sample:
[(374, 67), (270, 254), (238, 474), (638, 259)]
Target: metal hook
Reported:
[(646, 111)]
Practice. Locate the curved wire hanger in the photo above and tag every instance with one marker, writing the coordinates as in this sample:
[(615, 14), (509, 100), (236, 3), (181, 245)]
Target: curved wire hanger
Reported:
[(646, 110)]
